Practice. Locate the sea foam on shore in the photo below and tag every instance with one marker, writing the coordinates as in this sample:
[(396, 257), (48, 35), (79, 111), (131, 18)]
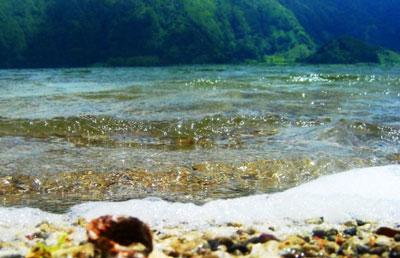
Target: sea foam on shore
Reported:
[(371, 194)]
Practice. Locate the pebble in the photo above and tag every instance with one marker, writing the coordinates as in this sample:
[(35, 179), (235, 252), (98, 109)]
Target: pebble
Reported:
[(269, 250), (362, 249), (355, 240), (316, 221), (383, 241), (389, 232), (377, 250), (319, 233), (395, 252), (350, 231), (360, 223)]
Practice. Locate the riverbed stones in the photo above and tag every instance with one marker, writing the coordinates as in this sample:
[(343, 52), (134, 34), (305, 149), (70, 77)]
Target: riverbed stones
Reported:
[(228, 240), (198, 182)]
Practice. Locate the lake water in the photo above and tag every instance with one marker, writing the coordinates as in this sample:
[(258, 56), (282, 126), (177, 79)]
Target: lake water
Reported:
[(189, 133)]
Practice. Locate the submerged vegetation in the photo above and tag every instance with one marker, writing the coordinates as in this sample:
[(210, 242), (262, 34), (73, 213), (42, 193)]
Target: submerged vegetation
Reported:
[(70, 33)]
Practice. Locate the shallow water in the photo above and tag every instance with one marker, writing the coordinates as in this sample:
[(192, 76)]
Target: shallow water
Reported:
[(190, 133)]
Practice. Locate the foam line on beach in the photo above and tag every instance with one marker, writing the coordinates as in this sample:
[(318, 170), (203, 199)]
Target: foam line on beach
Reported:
[(371, 194)]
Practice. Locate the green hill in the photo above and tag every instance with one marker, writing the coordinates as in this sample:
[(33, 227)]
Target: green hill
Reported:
[(344, 50), (376, 22), (69, 33), (349, 50), (54, 33)]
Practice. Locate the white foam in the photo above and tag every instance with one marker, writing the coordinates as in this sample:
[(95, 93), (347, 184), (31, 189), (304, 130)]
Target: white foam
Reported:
[(371, 194)]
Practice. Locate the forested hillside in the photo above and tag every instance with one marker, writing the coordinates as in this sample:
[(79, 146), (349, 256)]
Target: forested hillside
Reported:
[(54, 33), (65, 33), (376, 22), (344, 50)]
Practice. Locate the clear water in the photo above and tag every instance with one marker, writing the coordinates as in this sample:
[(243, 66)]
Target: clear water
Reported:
[(190, 133)]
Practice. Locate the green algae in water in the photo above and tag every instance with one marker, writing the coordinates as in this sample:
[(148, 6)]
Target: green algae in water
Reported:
[(191, 133)]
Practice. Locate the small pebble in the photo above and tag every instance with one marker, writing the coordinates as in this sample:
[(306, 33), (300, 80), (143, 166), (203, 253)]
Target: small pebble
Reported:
[(331, 238), (331, 248), (362, 249), (383, 241), (395, 252), (350, 231), (213, 244), (319, 233), (238, 247), (331, 234), (289, 255), (350, 223), (360, 223), (316, 221), (377, 250)]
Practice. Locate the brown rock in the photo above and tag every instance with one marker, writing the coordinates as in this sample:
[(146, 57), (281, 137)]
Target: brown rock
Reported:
[(389, 232), (115, 235)]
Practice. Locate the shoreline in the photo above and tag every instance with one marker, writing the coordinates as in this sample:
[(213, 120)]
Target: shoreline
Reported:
[(311, 238), (333, 216)]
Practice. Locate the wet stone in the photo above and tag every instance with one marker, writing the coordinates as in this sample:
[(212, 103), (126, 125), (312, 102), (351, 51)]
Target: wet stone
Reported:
[(331, 234), (319, 233), (395, 252), (292, 241), (40, 235), (331, 238), (294, 251), (263, 238), (238, 247), (289, 255), (312, 250), (350, 231), (360, 223), (385, 231), (378, 250), (350, 223), (316, 221), (331, 248), (225, 241), (341, 250), (213, 244), (383, 241), (362, 249)]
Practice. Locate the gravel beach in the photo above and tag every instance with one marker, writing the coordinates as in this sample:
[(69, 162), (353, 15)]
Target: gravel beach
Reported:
[(310, 238)]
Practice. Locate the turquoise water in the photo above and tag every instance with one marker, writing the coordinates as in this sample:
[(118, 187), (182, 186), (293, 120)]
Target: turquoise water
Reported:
[(227, 130)]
